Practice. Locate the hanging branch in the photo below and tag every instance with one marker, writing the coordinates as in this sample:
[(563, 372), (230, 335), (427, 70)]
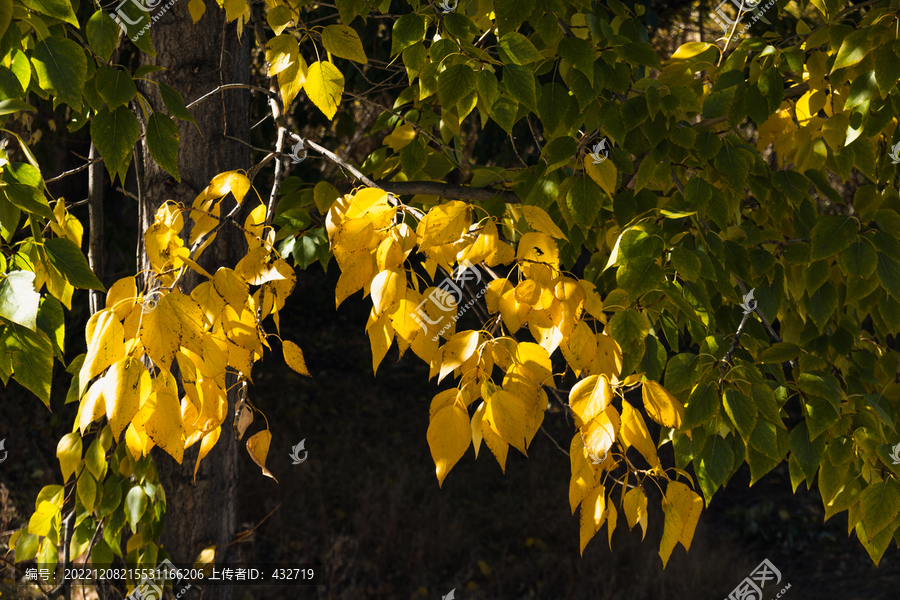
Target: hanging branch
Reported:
[(95, 212)]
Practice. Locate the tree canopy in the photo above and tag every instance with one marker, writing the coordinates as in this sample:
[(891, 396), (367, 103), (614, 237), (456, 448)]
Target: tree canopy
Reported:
[(697, 248)]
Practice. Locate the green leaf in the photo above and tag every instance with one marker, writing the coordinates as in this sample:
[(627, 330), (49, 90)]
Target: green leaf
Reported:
[(350, 9), (887, 68), (68, 259), (504, 112), (560, 151), (832, 234), (517, 49), (734, 164), (764, 440), (821, 384), (822, 305), (8, 107), (32, 359), (702, 405), (853, 49), (454, 84), (888, 271), (325, 86), (791, 183), (162, 141), (808, 454), (343, 41), (520, 84), (780, 352), (135, 505), (95, 459), (707, 144), (115, 86), (87, 490), (174, 102), (114, 134), (771, 86), (639, 275), (51, 320), (413, 157), (628, 326), (715, 465), (28, 198), (686, 263), (583, 201), (821, 414), (553, 107), (6, 12), (580, 54), (741, 410), (102, 34), (279, 18), (879, 505), (26, 546), (18, 300), (58, 9), (408, 30), (682, 372), (61, 66), (640, 53)]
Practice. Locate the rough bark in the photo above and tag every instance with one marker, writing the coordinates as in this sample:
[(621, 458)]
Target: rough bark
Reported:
[(197, 59)]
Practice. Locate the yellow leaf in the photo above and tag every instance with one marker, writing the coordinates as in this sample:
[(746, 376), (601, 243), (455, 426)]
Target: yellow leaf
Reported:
[(387, 287), (160, 418), (608, 358), (444, 224), (603, 174), (282, 288), (233, 290), (495, 291), (662, 406), (682, 507), (137, 441), (534, 252), (324, 86), (579, 349), (255, 269), (611, 519), (293, 356), (206, 217), (354, 277), (635, 506), (590, 397), (592, 302), (127, 387), (691, 49), (401, 137), (498, 447), (258, 449), (381, 336), (537, 360), (449, 435), (93, 405), (176, 321), (502, 256), (291, 80), (508, 415), (343, 41), (402, 321), (600, 434), (68, 451), (282, 51), (476, 427), (209, 300), (540, 221), (234, 9), (457, 351), (634, 432), (121, 297), (196, 8), (209, 440), (105, 337), (593, 514), (389, 254)]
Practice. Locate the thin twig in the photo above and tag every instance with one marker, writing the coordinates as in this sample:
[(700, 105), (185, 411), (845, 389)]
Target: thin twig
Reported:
[(95, 219), (76, 170), (229, 86)]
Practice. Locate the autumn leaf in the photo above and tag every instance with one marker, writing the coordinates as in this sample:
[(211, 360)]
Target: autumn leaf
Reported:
[(293, 356), (662, 406), (258, 449), (449, 435)]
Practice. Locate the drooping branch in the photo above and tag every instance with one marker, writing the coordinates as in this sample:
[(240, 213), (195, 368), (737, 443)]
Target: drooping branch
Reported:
[(95, 217)]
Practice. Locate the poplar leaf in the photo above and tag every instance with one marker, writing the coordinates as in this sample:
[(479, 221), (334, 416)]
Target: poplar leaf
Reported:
[(604, 174), (127, 387), (160, 418), (444, 224), (634, 432), (258, 449), (449, 435), (68, 451), (635, 505), (593, 514), (540, 221), (662, 406), (343, 41), (324, 86), (590, 397), (293, 356), (105, 347)]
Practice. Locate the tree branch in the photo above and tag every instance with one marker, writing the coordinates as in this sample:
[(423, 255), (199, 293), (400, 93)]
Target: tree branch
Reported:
[(95, 218)]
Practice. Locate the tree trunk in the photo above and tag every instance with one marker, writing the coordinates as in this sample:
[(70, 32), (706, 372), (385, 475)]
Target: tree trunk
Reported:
[(198, 58)]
